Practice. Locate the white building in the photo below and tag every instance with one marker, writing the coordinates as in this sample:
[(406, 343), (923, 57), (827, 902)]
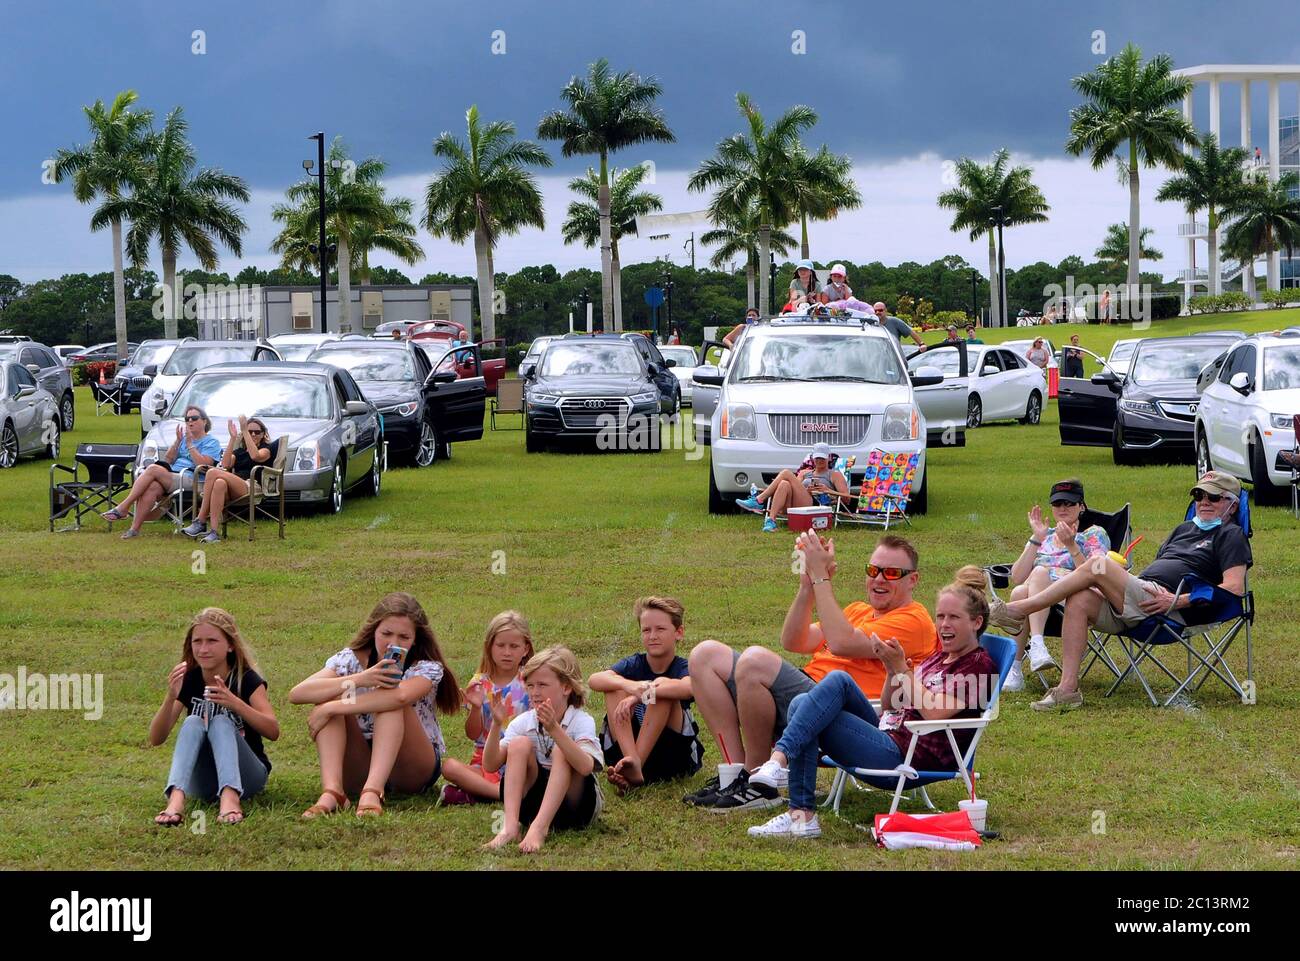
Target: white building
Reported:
[(1279, 156)]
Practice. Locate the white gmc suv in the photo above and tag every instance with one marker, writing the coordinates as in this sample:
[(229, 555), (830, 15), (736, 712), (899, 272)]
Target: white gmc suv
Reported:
[(792, 384)]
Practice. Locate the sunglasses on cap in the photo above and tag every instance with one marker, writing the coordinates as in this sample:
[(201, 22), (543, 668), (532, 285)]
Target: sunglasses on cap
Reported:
[(889, 573), (1199, 495)]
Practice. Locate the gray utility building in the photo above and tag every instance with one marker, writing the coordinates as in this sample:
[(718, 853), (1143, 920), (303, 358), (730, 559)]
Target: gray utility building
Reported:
[(239, 313)]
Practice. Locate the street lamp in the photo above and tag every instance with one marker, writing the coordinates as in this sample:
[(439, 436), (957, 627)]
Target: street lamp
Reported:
[(974, 295), (668, 290), (319, 248), (771, 280)]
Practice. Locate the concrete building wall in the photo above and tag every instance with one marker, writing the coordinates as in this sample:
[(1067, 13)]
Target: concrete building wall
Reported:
[(267, 311)]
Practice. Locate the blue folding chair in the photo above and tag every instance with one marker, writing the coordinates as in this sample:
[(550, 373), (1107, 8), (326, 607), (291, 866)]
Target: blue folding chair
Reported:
[(907, 778), (1215, 620)]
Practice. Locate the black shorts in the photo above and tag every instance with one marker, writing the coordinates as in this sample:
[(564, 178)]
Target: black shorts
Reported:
[(676, 753), (570, 815)]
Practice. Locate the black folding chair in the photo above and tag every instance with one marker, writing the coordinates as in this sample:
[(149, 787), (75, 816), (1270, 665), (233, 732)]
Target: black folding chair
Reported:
[(109, 469)]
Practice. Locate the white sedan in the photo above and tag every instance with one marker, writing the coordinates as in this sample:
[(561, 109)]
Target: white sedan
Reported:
[(685, 360), (1245, 418), (1001, 384)]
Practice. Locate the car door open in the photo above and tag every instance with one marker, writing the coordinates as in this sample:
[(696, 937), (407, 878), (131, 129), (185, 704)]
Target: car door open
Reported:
[(456, 404)]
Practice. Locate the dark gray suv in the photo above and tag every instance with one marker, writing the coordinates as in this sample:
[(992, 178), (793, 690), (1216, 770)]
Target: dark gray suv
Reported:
[(49, 373)]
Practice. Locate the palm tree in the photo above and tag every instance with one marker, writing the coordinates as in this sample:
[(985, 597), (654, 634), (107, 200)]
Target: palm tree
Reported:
[(484, 191), (1129, 102), (106, 167), (355, 208), (756, 169), (822, 184), (626, 203), (179, 205), (1114, 249), (1264, 218), (297, 238), (983, 193), (1209, 182), (740, 236), (605, 113)]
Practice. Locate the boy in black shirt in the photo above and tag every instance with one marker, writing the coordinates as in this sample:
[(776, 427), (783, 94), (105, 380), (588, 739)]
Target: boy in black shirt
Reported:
[(649, 734)]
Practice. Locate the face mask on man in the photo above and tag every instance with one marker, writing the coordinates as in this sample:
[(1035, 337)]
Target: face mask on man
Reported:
[(1206, 525)]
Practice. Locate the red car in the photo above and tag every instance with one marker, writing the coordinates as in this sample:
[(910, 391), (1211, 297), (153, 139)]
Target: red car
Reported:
[(449, 330)]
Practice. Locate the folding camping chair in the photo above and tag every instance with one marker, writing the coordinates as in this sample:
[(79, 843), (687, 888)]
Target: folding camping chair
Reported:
[(108, 394), (108, 473), (1118, 530), (509, 400), (1003, 652), (1216, 618), (265, 487), (884, 492)]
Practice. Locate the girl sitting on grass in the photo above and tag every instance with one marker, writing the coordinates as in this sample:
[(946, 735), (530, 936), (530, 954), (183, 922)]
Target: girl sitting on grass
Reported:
[(375, 723), (551, 753), (218, 753), (508, 646)]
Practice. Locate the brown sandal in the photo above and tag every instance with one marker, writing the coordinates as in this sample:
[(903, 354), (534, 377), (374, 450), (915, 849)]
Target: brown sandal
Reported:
[(319, 810), (370, 810)]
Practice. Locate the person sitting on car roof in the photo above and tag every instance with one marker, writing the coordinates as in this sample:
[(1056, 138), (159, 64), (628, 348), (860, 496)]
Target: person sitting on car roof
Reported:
[(804, 284), (838, 288)]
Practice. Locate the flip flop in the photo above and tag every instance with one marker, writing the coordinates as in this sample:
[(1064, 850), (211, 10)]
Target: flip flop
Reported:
[(231, 817), (113, 515)]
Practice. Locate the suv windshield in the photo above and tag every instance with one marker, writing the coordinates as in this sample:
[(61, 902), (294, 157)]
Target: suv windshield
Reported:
[(147, 354), (186, 360), (1122, 351), (370, 365), (615, 358), (1174, 361), (1282, 368), (685, 356), (229, 395), (763, 356), (296, 351)]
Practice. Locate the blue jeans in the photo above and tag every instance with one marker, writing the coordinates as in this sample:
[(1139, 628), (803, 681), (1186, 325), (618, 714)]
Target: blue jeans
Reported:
[(208, 760), (834, 718)]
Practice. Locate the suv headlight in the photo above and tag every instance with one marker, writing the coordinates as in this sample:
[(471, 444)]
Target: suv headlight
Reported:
[(535, 398), (402, 410), (1282, 421), (307, 457), (902, 422), (148, 456), (1139, 407), (648, 397), (738, 422)]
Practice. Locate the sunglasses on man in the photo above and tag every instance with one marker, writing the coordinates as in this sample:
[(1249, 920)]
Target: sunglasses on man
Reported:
[(191, 418), (889, 573), (1199, 495)]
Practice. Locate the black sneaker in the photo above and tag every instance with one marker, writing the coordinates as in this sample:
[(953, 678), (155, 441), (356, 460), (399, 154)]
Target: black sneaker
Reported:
[(743, 795), (705, 796)]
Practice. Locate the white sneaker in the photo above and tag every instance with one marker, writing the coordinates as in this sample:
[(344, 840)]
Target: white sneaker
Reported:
[(1040, 658), (785, 826), (771, 774), (1015, 679)]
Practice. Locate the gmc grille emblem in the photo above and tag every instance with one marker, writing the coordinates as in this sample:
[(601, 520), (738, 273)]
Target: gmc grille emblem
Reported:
[(819, 428)]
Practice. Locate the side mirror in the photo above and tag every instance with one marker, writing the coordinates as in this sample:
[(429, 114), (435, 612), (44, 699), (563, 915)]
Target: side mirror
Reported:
[(708, 375), (26, 390), (160, 407), (670, 363), (354, 408), (34, 369), (926, 376), (1106, 378), (444, 377), (527, 371), (151, 370), (1240, 382), (652, 369), (988, 370)]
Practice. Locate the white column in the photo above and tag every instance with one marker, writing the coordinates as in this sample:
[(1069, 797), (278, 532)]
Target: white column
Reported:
[(1248, 278), (1214, 272), (1274, 160), (1189, 286)]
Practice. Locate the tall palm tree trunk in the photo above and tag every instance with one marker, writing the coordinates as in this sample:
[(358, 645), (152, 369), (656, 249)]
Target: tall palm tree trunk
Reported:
[(1216, 274), (119, 291), (483, 266), (750, 286), (171, 296), (616, 269), (606, 250), (1134, 224), (345, 285), (764, 245), (995, 298), (363, 273), (803, 241)]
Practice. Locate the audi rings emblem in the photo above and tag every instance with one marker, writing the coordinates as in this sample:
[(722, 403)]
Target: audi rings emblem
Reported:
[(593, 404)]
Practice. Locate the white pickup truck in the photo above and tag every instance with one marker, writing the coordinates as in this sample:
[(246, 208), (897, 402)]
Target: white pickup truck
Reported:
[(792, 384)]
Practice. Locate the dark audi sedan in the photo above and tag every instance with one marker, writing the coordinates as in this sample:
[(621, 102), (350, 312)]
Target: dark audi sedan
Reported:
[(1149, 411), (424, 405)]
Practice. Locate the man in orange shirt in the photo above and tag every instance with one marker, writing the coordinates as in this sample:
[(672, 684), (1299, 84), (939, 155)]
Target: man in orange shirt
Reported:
[(744, 697)]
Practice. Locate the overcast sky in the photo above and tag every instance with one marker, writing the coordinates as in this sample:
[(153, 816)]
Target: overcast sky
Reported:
[(901, 89)]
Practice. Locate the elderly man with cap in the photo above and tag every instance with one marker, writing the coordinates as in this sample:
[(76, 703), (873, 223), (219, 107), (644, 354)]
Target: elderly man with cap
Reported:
[(812, 485), (1211, 548), (895, 325), (803, 287), (838, 287)]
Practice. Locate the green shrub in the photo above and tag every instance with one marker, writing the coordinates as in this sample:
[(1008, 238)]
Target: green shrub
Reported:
[(1200, 304), (1278, 298)]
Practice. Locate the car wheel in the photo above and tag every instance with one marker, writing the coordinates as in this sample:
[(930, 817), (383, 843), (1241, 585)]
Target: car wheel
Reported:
[(1034, 410), (974, 412), (374, 480), (1118, 453), (1203, 462), (54, 438), (1266, 492), (717, 503), (920, 502), (428, 446), (68, 411), (532, 443), (8, 446), (334, 498)]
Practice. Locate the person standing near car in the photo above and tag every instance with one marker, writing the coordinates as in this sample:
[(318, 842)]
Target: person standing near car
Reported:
[(896, 325), (1072, 358)]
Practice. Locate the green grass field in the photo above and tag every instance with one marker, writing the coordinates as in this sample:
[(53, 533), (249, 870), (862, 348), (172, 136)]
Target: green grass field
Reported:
[(1119, 784)]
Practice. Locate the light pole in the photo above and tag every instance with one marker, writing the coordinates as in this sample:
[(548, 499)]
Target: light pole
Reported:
[(975, 296), (668, 290), (319, 248)]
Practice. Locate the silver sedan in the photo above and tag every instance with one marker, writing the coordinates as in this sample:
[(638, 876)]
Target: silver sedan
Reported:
[(29, 416)]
